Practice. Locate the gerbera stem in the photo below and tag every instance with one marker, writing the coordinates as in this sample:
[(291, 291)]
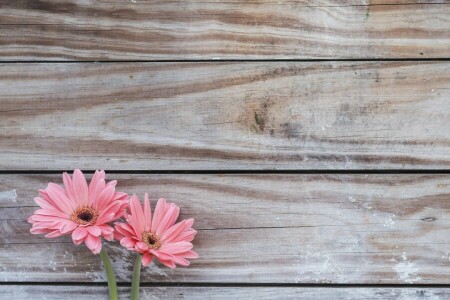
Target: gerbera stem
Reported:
[(112, 285), (136, 278)]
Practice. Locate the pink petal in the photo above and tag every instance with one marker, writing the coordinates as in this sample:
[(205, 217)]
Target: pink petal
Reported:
[(80, 187), (59, 198), (44, 203), (189, 254), (106, 229), (112, 183), (147, 213), (146, 259), (98, 187), (181, 261), (120, 196), (98, 175), (185, 236), (168, 216), (168, 263), (79, 234), (67, 226), (95, 187), (94, 230), (105, 198), (93, 243), (128, 243), (51, 212), (159, 213), (140, 247), (68, 185), (53, 234), (124, 229), (137, 215), (160, 255), (34, 230), (110, 213), (174, 248), (174, 231)]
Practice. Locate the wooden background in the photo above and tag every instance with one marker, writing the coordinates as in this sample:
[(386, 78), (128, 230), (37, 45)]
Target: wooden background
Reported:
[(310, 140)]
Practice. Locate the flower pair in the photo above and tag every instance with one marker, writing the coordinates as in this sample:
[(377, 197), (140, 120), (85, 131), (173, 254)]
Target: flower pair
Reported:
[(87, 212)]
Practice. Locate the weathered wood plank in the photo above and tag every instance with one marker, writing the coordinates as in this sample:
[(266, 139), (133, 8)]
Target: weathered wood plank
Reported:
[(230, 29), (254, 115), (95, 292), (260, 229)]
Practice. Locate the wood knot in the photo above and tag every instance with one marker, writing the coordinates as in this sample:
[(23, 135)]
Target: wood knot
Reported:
[(429, 219)]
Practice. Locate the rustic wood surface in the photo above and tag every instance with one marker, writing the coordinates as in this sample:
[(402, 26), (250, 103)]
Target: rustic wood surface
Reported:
[(230, 29), (252, 116), (279, 228), (94, 292), (233, 115)]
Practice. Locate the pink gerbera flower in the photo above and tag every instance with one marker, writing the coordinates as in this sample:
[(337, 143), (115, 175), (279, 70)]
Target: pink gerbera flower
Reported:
[(82, 210), (158, 237)]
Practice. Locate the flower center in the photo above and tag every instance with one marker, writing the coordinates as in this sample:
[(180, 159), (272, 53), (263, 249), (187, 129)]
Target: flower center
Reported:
[(84, 215), (151, 240)]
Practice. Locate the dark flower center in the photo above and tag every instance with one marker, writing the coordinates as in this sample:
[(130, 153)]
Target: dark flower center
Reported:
[(84, 215), (151, 240)]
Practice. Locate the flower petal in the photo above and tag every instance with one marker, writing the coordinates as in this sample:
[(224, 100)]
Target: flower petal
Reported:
[(59, 198), (170, 216), (80, 187), (128, 243), (95, 186), (104, 198), (159, 213), (146, 259), (79, 234), (173, 232), (68, 185), (189, 254), (168, 263), (93, 243), (175, 248), (147, 213), (94, 230), (137, 215), (67, 226)]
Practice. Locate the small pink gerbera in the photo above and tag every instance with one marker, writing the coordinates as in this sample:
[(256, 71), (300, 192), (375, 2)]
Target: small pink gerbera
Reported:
[(82, 210), (158, 237)]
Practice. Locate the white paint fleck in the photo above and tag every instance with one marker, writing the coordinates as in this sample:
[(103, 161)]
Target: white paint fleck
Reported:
[(390, 221), (406, 270), (8, 196), (367, 205)]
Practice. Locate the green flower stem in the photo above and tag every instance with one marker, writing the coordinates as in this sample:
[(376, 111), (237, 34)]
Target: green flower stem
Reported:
[(112, 285), (136, 278)]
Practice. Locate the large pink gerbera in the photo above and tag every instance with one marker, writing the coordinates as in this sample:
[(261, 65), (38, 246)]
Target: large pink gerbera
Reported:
[(158, 237), (82, 210)]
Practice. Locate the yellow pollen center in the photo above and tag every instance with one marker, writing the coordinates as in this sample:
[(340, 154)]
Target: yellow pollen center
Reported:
[(151, 240), (84, 215)]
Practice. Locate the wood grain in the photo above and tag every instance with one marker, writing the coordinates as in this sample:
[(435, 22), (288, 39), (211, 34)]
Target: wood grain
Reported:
[(221, 116), (215, 293), (259, 229), (230, 29)]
